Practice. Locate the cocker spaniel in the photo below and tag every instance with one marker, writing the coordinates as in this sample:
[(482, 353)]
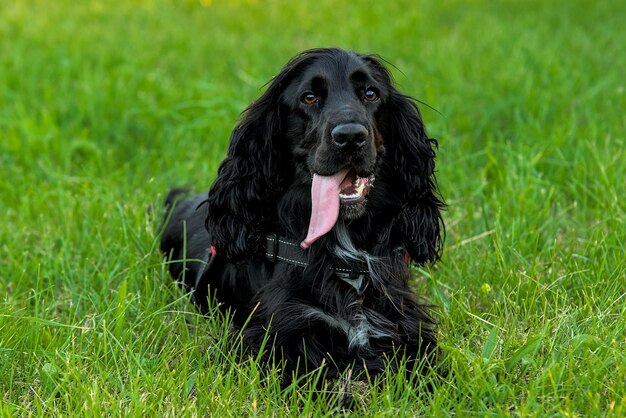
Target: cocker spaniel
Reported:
[(326, 197)]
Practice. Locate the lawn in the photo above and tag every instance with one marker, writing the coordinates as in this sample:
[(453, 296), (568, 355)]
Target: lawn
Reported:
[(105, 104)]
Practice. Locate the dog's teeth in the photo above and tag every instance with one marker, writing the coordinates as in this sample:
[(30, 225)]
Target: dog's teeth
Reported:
[(359, 185), (358, 192)]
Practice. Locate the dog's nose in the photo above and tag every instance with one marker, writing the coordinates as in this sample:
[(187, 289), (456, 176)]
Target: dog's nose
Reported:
[(346, 134)]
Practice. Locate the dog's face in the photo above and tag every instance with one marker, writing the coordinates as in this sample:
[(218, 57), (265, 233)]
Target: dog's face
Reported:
[(331, 125)]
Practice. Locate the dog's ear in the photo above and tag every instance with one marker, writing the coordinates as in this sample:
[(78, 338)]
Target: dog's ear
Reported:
[(242, 200), (413, 154), (409, 167)]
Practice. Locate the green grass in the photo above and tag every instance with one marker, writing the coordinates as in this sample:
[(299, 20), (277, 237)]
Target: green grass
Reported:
[(104, 105)]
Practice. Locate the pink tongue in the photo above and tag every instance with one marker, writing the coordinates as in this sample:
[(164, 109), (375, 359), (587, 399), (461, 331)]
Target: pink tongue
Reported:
[(325, 205)]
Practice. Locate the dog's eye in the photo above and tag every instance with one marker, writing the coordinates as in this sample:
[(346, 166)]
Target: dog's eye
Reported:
[(370, 94), (309, 98)]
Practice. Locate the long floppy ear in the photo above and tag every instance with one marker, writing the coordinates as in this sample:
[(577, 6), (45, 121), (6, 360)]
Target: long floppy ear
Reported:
[(410, 156), (242, 200), (413, 152)]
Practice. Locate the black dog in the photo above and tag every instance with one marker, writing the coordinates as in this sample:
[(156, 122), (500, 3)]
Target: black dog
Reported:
[(326, 196)]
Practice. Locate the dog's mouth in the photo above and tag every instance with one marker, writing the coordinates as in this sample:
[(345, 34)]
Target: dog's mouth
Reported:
[(354, 189), (344, 189)]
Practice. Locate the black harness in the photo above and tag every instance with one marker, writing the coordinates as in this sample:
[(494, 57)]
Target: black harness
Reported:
[(283, 250)]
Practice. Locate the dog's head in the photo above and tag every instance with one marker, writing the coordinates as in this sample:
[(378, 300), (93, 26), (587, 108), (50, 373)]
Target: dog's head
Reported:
[(332, 131), (331, 119)]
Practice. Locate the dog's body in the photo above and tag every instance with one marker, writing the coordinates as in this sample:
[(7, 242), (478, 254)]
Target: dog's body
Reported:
[(333, 159)]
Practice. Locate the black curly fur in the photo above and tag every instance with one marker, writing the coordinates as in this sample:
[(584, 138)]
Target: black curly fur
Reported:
[(263, 186)]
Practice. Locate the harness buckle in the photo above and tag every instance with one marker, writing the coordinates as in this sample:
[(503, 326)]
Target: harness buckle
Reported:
[(271, 247)]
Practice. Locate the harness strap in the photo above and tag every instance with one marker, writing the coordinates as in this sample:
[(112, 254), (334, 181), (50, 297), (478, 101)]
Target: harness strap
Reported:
[(280, 249), (288, 251)]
